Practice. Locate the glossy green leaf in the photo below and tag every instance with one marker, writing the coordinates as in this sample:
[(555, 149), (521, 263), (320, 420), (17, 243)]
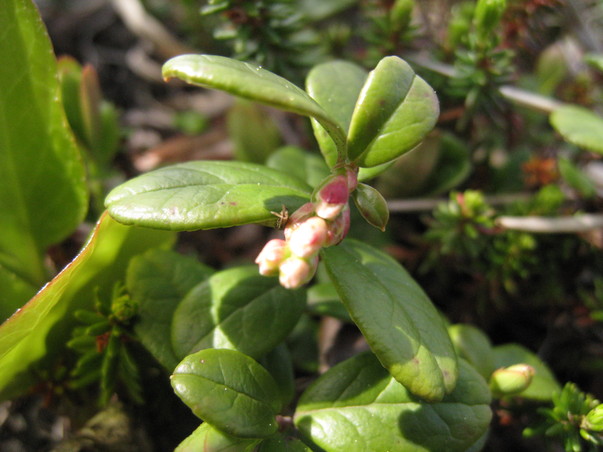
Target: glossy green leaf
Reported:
[(230, 391), (357, 405), (250, 82), (371, 205), (209, 439), (543, 383), (302, 164), (253, 132), (398, 320), (335, 85), (43, 196), (474, 346), (43, 325), (579, 126), (157, 281), (205, 195), (236, 309), (395, 111)]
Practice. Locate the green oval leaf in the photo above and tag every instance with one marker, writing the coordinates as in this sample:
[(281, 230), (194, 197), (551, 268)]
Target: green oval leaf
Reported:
[(579, 126), (207, 438), (302, 164), (205, 195), (395, 316), (357, 405), (230, 391), (236, 309), (371, 205), (157, 281), (335, 85), (543, 383), (473, 345), (395, 110), (42, 327), (44, 195), (251, 82)]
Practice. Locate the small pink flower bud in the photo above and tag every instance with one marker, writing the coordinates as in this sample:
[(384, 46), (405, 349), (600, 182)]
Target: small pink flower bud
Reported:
[(295, 271), (352, 179), (307, 239), (332, 197), (339, 227), (271, 256), (299, 216)]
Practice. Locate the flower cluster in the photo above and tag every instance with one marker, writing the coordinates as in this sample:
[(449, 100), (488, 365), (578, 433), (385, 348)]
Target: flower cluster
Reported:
[(323, 222)]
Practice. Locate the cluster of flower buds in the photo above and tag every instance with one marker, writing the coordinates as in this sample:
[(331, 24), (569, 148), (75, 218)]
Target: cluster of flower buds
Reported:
[(323, 222)]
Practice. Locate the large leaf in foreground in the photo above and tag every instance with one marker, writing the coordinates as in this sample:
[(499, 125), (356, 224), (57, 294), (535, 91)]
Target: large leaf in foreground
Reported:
[(205, 195), (230, 391), (395, 110), (335, 85), (357, 405), (395, 316), (237, 309), (43, 194), (43, 325), (158, 280), (251, 82)]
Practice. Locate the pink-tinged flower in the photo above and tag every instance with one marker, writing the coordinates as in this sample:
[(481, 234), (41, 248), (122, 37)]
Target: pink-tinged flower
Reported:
[(298, 217), (352, 179), (309, 236), (332, 197), (295, 271), (271, 256), (339, 227)]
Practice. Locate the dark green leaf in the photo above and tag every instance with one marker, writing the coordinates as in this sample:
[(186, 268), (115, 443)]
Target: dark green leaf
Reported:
[(302, 164), (395, 316), (371, 205), (543, 383), (251, 82), (157, 281), (395, 110), (237, 309), (43, 325), (43, 196), (473, 345), (278, 363), (208, 439), (281, 443), (323, 299), (205, 195), (357, 405), (579, 126), (230, 391), (335, 85)]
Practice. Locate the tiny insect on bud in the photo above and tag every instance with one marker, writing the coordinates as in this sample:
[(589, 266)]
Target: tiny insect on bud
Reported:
[(271, 256), (307, 239), (332, 197), (295, 271)]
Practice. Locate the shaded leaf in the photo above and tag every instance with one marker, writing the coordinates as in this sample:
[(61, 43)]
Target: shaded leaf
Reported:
[(323, 299), (371, 205), (43, 325), (473, 345), (278, 362), (208, 439), (579, 126), (395, 316), (43, 196), (205, 195), (302, 164), (236, 309), (335, 85), (250, 82), (157, 281), (230, 391), (395, 110), (357, 405)]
